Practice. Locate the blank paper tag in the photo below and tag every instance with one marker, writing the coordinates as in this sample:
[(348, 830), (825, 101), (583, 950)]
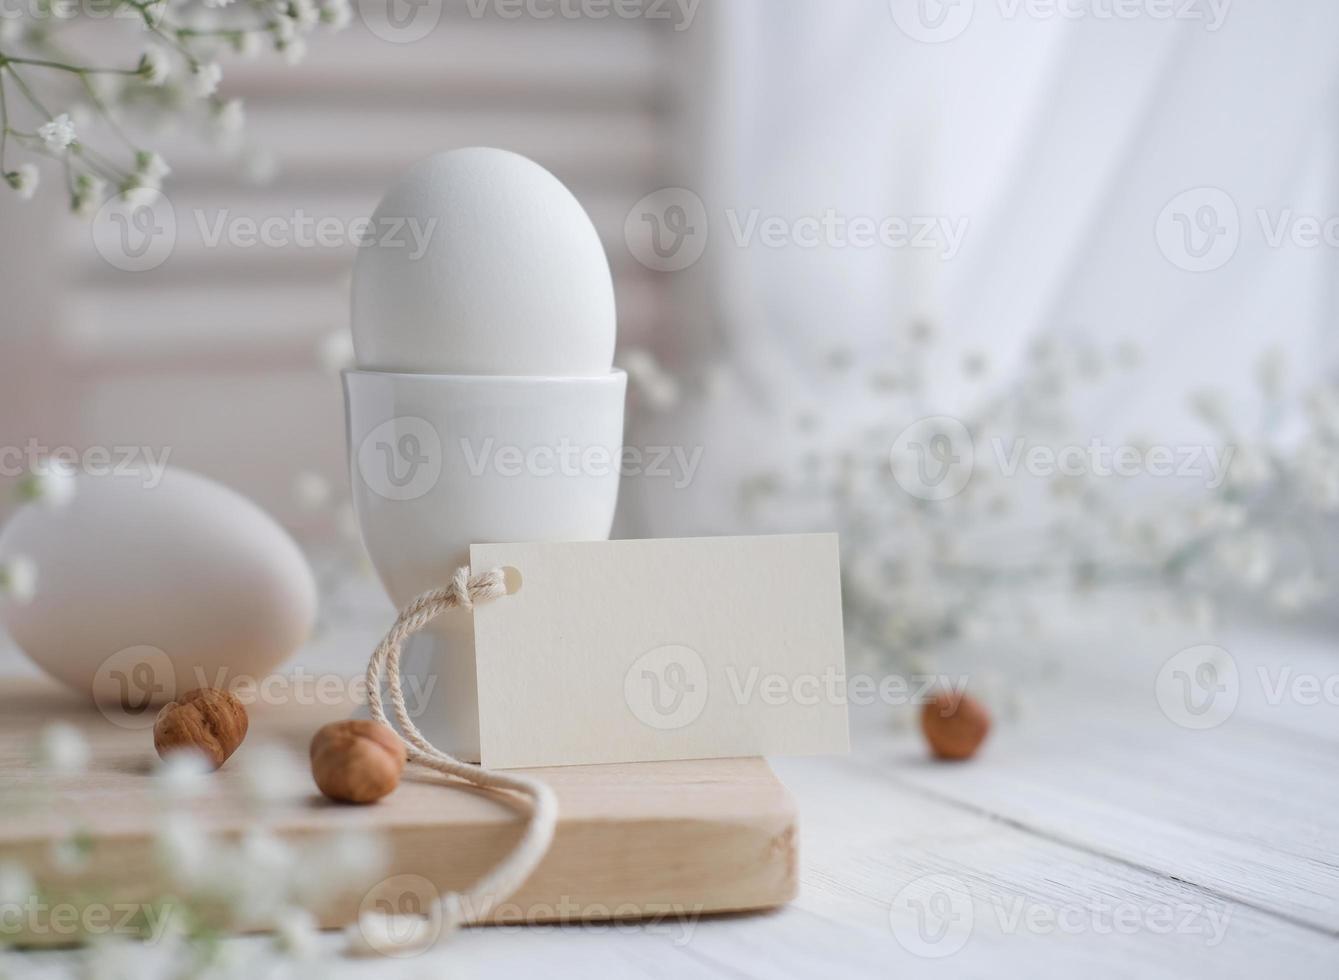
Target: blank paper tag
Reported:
[(689, 648)]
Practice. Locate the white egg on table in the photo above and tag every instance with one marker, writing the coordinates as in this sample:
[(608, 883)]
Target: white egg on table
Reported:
[(480, 261), (142, 592)]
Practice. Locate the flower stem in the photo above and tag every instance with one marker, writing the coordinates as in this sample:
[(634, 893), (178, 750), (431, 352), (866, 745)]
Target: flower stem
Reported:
[(74, 69), (4, 124)]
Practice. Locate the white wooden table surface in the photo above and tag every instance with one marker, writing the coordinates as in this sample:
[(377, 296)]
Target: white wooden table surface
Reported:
[(1093, 838)]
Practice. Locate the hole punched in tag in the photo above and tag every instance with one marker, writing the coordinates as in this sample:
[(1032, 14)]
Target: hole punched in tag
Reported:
[(511, 578)]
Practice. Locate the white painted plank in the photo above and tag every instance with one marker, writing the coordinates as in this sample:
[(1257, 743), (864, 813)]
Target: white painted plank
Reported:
[(1244, 809), (865, 839)]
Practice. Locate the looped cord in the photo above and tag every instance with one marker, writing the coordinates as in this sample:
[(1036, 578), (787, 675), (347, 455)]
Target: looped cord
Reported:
[(502, 881)]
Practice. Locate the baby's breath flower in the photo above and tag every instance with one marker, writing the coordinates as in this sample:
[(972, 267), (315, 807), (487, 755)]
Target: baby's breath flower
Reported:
[(337, 14), (1297, 593), (181, 850), (70, 854), (51, 482), (246, 43), (376, 933), (1318, 475), (311, 490), (230, 117), (62, 749), (335, 351), (151, 168), (347, 861), (137, 192), (1218, 515), (1248, 559), (154, 66), (1129, 355), (658, 387), (18, 579), (305, 14), (294, 51), (1322, 406), (88, 194), (1270, 370), (354, 856), (58, 134), (295, 933), (259, 166), (24, 180), (1250, 468), (183, 775), (270, 773), (253, 878), (153, 12), (1211, 408), (120, 958), (16, 885), (205, 78), (285, 30)]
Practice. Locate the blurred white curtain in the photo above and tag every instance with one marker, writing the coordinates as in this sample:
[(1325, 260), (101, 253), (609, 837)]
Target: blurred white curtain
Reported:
[(1060, 140)]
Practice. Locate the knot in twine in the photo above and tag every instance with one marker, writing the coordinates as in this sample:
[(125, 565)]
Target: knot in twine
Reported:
[(505, 878)]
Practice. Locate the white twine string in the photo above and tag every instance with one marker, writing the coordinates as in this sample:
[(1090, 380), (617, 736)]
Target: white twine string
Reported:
[(500, 883)]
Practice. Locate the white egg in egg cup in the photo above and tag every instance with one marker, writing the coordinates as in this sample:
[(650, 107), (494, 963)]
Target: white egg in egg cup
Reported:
[(485, 407), (440, 462)]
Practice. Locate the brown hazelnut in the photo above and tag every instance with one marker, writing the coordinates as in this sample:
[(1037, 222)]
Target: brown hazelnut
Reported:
[(207, 720), (955, 725), (357, 761)]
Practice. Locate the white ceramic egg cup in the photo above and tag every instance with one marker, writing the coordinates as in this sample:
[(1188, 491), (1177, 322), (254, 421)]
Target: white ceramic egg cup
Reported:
[(443, 461)]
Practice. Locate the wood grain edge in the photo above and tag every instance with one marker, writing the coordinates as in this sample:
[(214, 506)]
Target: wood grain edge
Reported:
[(645, 868)]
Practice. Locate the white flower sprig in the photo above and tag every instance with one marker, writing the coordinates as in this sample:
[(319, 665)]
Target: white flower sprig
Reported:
[(918, 573), (18, 580), (175, 75)]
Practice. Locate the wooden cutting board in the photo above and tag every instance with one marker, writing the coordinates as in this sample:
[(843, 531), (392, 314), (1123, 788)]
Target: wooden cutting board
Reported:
[(633, 840)]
